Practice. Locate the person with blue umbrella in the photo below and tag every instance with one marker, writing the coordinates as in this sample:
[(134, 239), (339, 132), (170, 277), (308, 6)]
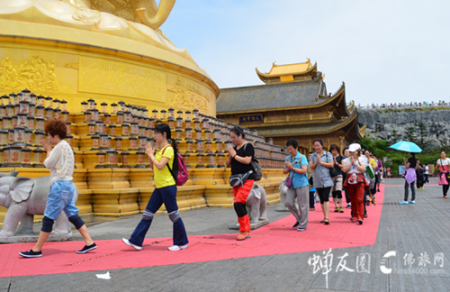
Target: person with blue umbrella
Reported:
[(410, 179), (410, 168)]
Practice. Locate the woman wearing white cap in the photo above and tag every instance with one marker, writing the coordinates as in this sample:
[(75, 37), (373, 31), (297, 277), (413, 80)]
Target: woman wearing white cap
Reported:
[(355, 166)]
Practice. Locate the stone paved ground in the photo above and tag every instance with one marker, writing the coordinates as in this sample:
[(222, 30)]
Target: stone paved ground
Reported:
[(418, 230)]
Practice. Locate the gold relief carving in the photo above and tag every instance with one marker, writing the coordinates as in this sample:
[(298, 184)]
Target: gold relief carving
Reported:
[(73, 65), (189, 95), (108, 77), (33, 73)]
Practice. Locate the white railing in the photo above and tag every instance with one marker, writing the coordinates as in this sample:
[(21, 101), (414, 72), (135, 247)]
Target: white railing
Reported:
[(400, 106)]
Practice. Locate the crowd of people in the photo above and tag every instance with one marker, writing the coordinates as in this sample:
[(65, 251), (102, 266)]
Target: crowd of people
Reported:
[(330, 175), (324, 173)]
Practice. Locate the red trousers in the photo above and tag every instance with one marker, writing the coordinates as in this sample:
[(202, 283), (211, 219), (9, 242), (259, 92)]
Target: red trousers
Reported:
[(356, 193), (240, 196)]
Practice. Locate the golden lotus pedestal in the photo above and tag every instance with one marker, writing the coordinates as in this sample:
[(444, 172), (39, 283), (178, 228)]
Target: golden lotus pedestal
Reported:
[(76, 65)]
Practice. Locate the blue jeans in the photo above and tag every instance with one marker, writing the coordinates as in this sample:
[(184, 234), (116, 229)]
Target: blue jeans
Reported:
[(60, 198), (168, 197)]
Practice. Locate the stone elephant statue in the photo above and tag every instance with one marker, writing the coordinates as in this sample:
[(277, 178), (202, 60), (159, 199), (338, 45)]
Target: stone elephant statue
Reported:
[(25, 197), (283, 192), (256, 208)]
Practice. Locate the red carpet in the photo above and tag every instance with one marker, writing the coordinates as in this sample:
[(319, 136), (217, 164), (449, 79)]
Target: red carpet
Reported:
[(426, 185), (275, 238)]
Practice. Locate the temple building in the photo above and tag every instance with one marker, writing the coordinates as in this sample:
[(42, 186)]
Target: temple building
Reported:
[(293, 103)]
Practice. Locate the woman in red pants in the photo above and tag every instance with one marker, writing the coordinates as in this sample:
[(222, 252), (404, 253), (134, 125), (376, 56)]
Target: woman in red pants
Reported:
[(240, 158), (355, 166)]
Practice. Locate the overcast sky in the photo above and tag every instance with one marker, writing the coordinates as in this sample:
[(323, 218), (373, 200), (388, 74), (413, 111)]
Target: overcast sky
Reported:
[(384, 50)]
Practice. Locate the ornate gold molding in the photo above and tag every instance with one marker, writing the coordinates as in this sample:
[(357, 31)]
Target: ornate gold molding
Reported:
[(33, 73)]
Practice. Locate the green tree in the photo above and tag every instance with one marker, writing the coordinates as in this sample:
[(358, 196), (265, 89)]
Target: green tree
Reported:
[(366, 143), (423, 133), (395, 137), (410, 134)]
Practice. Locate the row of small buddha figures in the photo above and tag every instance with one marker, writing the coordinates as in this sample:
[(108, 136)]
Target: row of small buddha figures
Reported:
[(134, 121), (110, 159), (23, 156)]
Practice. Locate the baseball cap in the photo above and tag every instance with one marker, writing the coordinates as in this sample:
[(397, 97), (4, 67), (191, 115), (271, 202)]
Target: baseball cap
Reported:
[(353, 147)]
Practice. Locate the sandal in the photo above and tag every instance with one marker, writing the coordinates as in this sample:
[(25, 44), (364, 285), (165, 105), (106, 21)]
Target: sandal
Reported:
[(326, 221), (323, 221)]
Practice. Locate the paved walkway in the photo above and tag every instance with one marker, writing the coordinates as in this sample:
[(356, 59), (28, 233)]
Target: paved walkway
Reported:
[(418, 231)]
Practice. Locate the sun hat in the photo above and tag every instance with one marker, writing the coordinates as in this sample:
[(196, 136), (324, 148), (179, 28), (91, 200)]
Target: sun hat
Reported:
[(353, 147)]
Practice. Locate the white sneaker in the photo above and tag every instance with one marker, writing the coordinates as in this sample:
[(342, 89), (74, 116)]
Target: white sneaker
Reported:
[(127, 242), (178, 247)]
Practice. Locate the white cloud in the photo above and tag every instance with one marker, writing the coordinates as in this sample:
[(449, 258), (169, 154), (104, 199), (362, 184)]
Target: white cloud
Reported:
[(385, 51)]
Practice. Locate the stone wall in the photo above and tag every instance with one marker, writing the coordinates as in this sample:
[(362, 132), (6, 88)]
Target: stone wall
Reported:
[(380, 124)]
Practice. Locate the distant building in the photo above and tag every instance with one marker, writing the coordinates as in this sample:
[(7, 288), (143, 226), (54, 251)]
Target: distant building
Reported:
[(293, 103)]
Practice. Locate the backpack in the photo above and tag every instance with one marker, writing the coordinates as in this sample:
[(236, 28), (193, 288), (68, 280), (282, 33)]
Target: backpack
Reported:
[(256, 167), (179, 172), (309, 174)]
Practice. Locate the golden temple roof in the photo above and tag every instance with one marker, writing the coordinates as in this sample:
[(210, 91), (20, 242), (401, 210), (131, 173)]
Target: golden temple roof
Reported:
[(347, 123), (300, 95), (289, 72)]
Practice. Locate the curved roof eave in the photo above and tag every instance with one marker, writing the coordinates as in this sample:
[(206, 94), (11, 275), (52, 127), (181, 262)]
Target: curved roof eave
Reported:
[(268, 75)]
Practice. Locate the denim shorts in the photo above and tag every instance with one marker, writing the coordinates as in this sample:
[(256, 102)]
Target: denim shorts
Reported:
[(60, 198)]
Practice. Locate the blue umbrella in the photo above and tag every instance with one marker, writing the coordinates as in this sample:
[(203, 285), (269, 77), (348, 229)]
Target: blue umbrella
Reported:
[(406, 146)]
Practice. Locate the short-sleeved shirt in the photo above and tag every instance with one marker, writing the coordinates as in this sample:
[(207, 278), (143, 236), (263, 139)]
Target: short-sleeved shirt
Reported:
[(298, 180), (322, 177), (380, 165), (373, 164), (418, 170), (362, 161), (163, 177), (241, 168), (412, 162), (339, 159), (426, 169), (443, 164)]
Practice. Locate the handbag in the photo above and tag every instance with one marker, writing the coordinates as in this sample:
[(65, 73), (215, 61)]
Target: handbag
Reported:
[(443, 179), (370, 172), (333, 171), (237, 180), (288, 181)]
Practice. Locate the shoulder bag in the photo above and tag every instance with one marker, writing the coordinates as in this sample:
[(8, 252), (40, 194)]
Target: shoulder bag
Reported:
[(256, 166), (333, 171), (288, 181)]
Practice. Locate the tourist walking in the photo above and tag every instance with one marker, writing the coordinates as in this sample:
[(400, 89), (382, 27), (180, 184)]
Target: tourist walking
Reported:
[(420, 175), (240, 158), (297, 167), (370, 192), (379, 172), (426, 173), (321, 162), (337, 179), (410, 179), (312, 189), (443, 165), (355, 167), (344, 175), (162, 163), (60, 161)]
